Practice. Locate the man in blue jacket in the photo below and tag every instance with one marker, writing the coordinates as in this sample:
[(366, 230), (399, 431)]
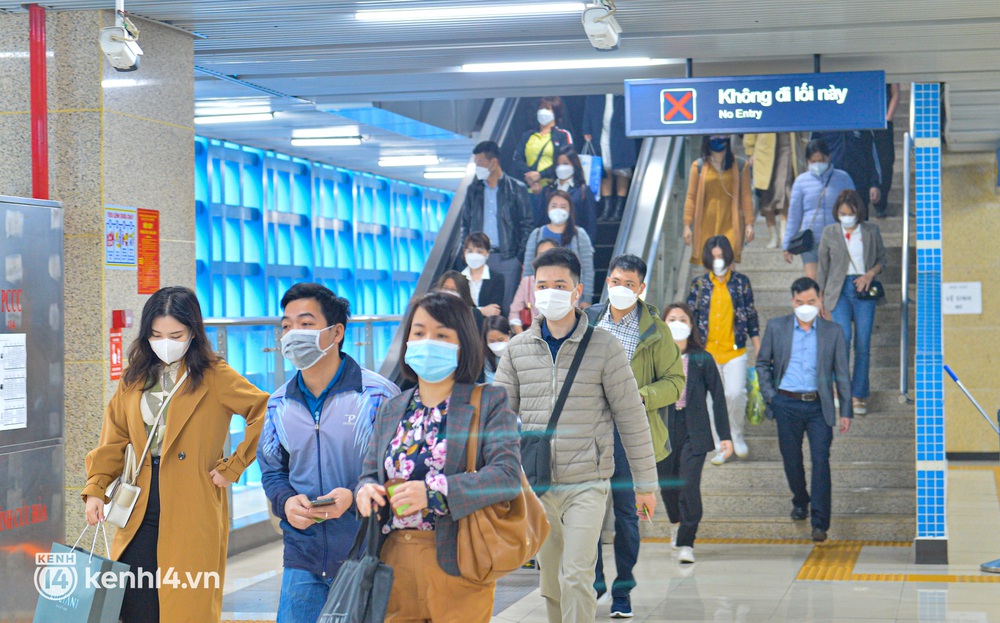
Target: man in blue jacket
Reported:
[(315, 436)]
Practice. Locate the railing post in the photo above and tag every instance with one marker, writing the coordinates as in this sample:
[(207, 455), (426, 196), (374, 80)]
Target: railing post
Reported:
[(223, 348), (904, 313), (369, 345), (279, 359)]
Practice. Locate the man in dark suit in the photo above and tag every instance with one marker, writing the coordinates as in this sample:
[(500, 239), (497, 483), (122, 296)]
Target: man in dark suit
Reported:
[(800, 359)]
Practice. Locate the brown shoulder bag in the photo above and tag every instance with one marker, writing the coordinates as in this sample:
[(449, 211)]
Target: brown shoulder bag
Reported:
[(502, 537)]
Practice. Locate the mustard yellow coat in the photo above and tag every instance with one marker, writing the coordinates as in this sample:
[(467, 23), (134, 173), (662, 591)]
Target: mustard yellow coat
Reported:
[(762, 148), (194, 513), (741, 207)]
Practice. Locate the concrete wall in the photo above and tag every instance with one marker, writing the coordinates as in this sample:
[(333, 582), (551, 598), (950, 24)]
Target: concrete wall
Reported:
[(114, 138), (971, 224)]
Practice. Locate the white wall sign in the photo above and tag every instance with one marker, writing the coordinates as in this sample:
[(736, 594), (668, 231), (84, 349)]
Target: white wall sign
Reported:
[(13, 382), (962, 297)]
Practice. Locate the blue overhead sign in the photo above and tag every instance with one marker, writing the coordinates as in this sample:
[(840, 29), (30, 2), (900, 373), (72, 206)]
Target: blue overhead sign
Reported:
[(752, 104)]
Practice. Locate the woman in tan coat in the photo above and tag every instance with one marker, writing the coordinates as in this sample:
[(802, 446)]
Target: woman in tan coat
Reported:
[(719, 201), (184, 478)]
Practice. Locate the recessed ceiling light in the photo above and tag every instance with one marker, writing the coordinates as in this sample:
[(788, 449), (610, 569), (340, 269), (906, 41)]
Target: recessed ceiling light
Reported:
[(408, 161), (589, 63), (446, 173), (240, 118), (332, 141), (228, 108), (466, 12)]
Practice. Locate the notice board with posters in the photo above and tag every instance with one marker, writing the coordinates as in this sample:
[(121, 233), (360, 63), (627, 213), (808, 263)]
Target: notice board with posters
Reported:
[(833, 101), (119, 237), (32, 442), (148, 251)]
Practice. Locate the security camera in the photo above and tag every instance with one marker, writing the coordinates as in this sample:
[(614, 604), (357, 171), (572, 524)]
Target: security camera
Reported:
[(601, 26), (121, 48)]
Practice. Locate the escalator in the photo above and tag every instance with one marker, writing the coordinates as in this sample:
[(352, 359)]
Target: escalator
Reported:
[(652, 216)]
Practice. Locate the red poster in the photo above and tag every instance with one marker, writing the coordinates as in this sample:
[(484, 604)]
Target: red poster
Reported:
[(148, 259), (116, 354)]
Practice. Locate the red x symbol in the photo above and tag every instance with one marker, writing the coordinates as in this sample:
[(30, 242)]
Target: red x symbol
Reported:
[(678, 106)]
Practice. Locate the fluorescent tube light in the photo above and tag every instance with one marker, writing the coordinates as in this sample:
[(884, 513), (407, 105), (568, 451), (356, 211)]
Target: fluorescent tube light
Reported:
[(212, 110), (331, 141), (408, 161), (446, 173), (589, 63), (466, 12), (240, 118), (332, 132)]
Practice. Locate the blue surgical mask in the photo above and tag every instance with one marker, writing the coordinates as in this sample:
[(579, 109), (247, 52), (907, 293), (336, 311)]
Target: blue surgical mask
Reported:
[(431, 360), (718, 144)]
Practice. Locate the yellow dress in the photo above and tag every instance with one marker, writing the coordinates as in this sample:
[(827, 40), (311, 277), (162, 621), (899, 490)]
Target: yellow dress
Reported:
[(717, 210)]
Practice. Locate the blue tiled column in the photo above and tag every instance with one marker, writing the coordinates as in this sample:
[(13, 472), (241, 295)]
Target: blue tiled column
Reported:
[(932, 526)]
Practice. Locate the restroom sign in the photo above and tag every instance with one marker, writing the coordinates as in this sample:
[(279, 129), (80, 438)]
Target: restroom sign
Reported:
[(678, 106), (962, 298)]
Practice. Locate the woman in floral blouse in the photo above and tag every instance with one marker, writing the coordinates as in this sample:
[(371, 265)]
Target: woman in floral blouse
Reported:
[(415, 464)]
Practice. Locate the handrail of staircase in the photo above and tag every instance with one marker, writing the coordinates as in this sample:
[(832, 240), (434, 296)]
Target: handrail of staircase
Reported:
[(904, 309), (663, 204), (446, 244)]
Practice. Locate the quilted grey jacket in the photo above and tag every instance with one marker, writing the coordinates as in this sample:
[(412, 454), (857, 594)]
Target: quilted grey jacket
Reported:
[(604, 394)]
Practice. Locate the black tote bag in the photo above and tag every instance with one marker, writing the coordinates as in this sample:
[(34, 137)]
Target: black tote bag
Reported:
[(360, 592)]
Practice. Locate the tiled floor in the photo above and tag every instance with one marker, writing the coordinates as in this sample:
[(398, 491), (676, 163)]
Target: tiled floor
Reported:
[(745, 583)]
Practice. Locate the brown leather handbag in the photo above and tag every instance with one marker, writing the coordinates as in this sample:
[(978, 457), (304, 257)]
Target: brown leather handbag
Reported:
[(500, 538)]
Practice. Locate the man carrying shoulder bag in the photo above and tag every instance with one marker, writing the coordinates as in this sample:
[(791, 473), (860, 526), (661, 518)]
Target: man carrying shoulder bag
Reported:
[(588, 394)]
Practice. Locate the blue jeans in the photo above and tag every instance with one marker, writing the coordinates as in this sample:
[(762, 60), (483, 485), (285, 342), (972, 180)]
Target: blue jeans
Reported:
[(626, 528), (862, 312), (302, 596), (795, 419)]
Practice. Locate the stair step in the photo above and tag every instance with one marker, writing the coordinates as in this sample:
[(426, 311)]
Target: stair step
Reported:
[(875, 425), (881, 527), (845, 448), (721, 503), (891, 277), (768, 475)]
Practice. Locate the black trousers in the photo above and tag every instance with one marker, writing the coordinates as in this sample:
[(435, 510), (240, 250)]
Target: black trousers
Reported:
[(885, 147), (798, 419), (680, 482), (142, 605)]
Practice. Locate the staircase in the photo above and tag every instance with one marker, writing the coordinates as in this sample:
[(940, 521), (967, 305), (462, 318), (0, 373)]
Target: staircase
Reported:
[(873, 466)]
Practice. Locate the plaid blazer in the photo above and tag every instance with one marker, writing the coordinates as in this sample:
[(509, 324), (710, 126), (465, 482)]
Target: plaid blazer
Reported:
[(745, 323), (498, 468)]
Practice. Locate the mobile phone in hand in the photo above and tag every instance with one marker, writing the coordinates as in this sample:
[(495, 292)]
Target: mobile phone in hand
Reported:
[(323, 502)]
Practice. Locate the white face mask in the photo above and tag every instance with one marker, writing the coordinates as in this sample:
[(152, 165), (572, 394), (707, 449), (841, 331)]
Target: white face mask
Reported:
[(849, 221), (169, 351), (545, 116), (498, 348), (482, 173), (806, 313), (719, 266), (558, 216), (818, 168), (475, 260), (554, 304), (301, 347), (679, 330), (564, 171), (622, 298)]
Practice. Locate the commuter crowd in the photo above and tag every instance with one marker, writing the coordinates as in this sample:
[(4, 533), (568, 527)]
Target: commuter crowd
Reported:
[(513, 363)]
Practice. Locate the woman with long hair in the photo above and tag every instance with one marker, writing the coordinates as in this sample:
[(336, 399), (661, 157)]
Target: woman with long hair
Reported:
[(690, 431), (719, 200), (570, 179), (173, 373), (563, 230), (415, 465)]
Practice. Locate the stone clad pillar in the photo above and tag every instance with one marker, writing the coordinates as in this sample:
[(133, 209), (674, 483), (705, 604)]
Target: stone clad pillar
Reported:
[(124, 139)]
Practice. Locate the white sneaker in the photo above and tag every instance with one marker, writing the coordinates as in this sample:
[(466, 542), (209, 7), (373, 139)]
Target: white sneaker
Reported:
[(718, 459), (604, 599), (772, 242), (740, 448), (686, 555)]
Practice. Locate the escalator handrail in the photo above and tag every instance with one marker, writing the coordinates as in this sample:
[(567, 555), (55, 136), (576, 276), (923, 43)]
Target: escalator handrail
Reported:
[(445, 249)]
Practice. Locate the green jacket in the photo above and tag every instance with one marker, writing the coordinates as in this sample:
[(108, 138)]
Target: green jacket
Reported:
[(657, 367)]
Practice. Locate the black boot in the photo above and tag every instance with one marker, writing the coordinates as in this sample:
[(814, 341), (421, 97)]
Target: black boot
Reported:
[(605, 208), (619, 211)]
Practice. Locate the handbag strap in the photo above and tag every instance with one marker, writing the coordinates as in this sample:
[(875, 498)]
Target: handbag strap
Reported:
[(588, 149), (541, 152), (570, 376), (472, 454), (819, 205), (156, 424)]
